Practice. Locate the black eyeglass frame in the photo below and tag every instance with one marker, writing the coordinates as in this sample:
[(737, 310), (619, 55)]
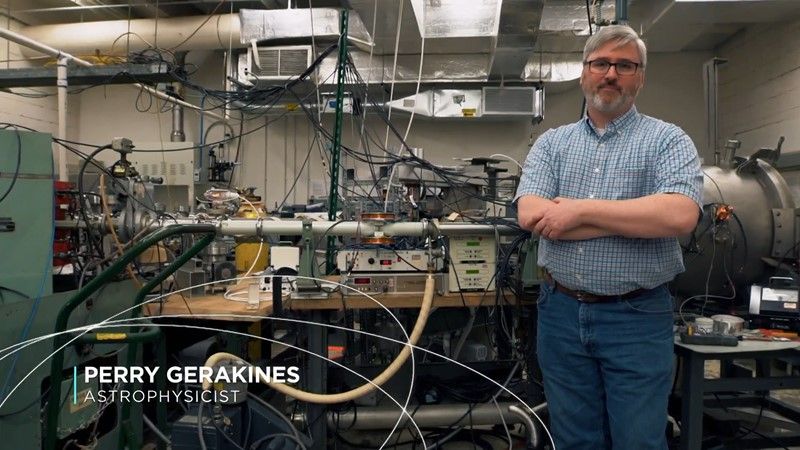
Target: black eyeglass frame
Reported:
[(616, 66)]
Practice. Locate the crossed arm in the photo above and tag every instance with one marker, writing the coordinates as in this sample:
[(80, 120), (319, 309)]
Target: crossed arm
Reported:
[(652, 216)]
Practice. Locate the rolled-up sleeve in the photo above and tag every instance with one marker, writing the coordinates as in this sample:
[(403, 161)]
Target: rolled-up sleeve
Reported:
[(678, 167), (538, 175)]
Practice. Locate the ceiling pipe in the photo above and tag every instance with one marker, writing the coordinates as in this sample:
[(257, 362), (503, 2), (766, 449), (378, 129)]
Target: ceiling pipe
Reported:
[(32, 44), (63, 58), (27, 42), (111, 6), (120, 37)]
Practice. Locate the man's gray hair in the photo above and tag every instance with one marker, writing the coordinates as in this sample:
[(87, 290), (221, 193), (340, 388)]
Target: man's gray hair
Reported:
[(622, 35)]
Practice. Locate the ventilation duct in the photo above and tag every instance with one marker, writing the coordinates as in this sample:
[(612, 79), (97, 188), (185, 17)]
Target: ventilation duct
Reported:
[(469, 103), (282, 24), (273, 63), (118, 37)]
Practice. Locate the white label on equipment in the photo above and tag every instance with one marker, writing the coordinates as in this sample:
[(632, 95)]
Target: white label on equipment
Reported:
[(779, 295)]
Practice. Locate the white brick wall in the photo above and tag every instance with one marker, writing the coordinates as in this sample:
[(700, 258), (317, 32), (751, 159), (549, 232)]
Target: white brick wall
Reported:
[(760, 87)]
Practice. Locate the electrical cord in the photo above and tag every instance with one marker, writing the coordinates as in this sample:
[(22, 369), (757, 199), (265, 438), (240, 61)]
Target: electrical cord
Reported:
[(384, 376), (298, 443), (13, 291), (19, 161), (84, 205)]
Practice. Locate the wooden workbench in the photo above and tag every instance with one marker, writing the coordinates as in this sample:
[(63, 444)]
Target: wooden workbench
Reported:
[(215, 305), (336, 301), (210, 307)]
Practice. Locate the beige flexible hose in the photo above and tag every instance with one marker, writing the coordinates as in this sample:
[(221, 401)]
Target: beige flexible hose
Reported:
[(390, 371)]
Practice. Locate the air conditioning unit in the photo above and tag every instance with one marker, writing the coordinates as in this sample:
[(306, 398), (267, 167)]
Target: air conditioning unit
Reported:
[(512, 101), (274, 63)]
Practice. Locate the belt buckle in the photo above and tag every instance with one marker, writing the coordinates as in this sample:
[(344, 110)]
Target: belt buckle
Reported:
[(585, 297)]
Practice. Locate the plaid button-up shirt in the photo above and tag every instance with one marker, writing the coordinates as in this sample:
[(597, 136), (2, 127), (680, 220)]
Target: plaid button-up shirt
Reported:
[(635, 156)]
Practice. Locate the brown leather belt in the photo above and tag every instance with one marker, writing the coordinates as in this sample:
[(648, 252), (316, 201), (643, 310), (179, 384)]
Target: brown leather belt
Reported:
[(588, 297)]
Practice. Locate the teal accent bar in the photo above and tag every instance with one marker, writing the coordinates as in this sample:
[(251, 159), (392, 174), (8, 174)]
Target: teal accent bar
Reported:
[(74, 385)]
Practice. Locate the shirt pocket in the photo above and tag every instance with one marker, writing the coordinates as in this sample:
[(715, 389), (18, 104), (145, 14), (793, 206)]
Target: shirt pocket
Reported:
[(627, 183)]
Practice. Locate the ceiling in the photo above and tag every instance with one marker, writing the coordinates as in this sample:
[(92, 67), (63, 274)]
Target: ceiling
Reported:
[(669, 25), (492, 40), (42, 12)]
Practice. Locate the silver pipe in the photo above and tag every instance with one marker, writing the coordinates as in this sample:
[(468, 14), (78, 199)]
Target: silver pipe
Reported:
[(256, 227), (38, 46), (62, 84), (533, 431), (155, 430), (70, 223), (177, 134), (264, 227), (462, 229), (113, 6), (426, 416)]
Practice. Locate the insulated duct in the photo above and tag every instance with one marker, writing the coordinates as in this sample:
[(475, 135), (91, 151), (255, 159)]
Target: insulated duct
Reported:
[(492, 39), (116, 38)]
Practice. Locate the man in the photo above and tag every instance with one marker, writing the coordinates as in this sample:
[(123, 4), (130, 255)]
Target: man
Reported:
[(608, 196)]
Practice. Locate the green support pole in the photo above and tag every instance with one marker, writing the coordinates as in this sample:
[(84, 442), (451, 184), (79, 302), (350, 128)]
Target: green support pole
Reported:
[(333, 198), (62, 320)]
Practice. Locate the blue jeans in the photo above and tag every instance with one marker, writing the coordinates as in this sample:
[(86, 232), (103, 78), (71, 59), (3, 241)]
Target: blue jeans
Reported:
[(607, 370)]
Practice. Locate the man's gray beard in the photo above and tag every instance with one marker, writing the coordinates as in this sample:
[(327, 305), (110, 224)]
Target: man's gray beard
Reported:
[(607, 107)]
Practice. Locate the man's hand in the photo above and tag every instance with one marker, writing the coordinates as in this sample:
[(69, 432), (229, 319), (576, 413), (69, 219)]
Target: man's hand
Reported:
[(564, 215), (531, 209)]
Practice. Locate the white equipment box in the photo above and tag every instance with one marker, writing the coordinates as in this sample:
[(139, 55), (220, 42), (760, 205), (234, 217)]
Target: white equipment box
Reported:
[(472, 263), (384, 260)]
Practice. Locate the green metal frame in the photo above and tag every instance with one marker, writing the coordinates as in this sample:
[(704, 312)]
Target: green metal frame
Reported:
[(60, 340), (333, 198)]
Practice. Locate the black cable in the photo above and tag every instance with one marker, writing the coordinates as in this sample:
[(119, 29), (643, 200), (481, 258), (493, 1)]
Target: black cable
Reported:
[(24, 408), (84, 204), (238, 148), (297, 177), (446, 174), (298, 443), (469, 410), (22, 294), (200, 435), (19, 162)]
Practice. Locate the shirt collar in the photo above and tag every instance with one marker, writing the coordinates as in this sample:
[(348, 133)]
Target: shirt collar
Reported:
[(617, 124)]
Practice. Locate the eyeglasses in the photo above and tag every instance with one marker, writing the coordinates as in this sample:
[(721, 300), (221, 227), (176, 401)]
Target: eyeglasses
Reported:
[(601, 66)]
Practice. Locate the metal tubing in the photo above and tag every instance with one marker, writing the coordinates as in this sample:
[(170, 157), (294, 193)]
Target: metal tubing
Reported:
[(177, 134), (426, 416), (261, 227), (62, 84), (534, 440)]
